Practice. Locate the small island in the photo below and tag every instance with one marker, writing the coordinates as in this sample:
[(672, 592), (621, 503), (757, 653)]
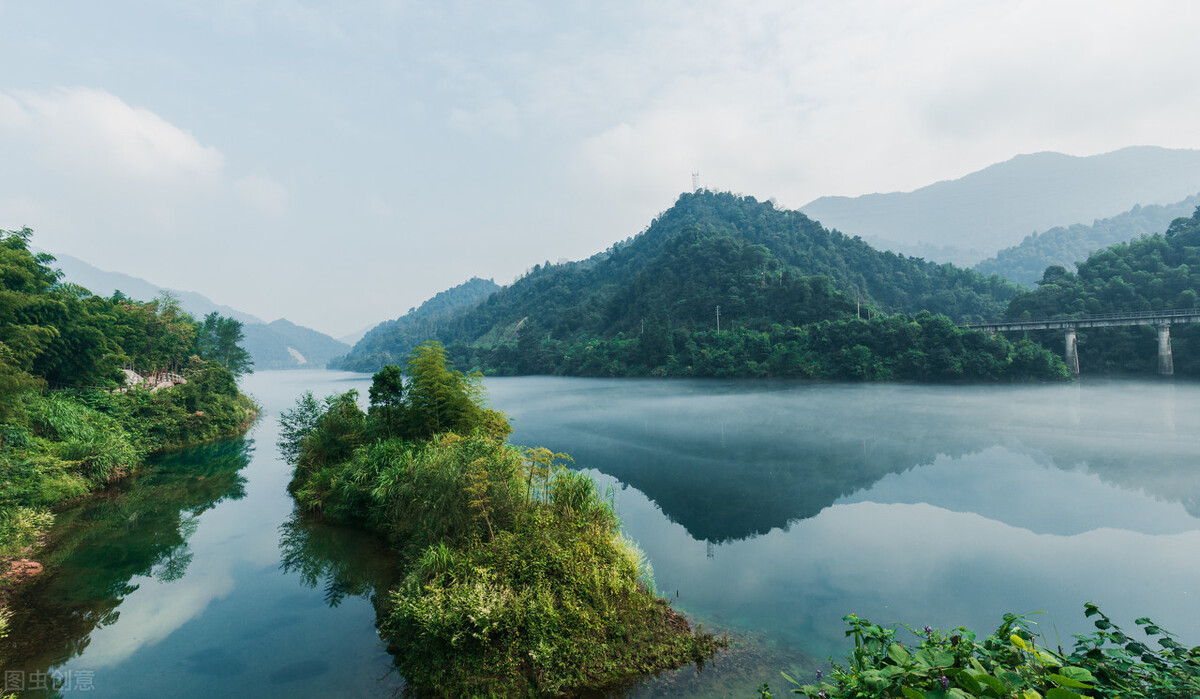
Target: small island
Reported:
[(518, 579)]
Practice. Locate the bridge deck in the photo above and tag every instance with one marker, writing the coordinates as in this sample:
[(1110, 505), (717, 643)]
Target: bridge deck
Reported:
[(1101, 320)]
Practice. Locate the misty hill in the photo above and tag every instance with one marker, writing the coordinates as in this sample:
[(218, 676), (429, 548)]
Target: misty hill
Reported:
[(104, 283), (391, 341), (277, 345), (1025, 263), (970, 218), (282, 344)]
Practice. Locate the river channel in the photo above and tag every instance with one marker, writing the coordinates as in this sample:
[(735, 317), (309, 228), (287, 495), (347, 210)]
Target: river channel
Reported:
[(768, 509)]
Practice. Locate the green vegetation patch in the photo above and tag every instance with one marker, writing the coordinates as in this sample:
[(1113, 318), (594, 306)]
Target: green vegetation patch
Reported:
[(1010, 663), (68, 423), (519, 581)]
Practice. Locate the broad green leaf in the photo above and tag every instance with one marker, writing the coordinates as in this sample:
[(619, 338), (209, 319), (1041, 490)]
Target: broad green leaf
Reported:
[(1018, 642), (874, 680), (994, 684), (898, 655), (967, 682), (1079, 674), (1060, 693), (912, 693), (1064, 681)]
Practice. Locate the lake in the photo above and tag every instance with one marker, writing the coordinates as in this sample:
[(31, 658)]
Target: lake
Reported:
[(769, 510)]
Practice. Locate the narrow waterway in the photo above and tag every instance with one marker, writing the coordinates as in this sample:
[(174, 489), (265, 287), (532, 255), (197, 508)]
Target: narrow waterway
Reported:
[(769, 511)]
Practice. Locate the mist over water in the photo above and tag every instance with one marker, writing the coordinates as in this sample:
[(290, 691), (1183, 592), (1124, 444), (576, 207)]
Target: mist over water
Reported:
[(777, 508)]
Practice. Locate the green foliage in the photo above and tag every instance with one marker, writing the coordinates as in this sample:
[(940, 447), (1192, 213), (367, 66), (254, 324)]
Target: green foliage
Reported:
[(294, 424), (1152, 273), (220, 339), (61, 333), (1010, 663), (924, 347)]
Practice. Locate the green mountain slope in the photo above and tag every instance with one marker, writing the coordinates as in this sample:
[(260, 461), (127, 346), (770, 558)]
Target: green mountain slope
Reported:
[(1025, 263), (390, 342), (970, 218), (724, 285), (713, 249)]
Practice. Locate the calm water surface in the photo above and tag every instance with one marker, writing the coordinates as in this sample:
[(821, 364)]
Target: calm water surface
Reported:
[(769, 510)]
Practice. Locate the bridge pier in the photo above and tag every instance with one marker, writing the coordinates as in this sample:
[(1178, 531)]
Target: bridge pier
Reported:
[(1166, 363), (1072, 352)]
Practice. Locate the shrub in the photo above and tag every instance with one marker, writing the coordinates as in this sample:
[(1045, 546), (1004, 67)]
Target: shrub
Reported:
[(1011, 663)]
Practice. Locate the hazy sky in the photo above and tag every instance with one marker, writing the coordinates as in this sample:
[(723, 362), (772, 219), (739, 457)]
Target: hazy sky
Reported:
[(337, 163)]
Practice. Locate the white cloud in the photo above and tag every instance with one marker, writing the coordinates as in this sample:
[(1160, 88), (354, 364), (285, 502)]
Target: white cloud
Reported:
[(801, 100), (94, 133)]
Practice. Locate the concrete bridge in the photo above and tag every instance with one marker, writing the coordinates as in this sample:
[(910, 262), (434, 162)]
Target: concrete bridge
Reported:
[(1160, 319)]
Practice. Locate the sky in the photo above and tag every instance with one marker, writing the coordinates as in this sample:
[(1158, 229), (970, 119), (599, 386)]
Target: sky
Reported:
[(339, 163)]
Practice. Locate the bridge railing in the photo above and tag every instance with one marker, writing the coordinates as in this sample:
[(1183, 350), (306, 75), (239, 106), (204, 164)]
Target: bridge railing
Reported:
[(1126, 315)]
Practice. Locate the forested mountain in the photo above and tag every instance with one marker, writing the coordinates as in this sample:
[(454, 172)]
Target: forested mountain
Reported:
[(970, 218), (280, 344), (391, 341), (789, 294), (1025, 263), (750, 258), (1154, 272)]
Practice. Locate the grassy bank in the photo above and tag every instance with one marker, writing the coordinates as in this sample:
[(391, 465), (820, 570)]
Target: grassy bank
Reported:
[(59, 446)]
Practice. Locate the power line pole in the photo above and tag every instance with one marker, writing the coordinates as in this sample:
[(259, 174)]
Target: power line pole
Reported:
[(718, 320)]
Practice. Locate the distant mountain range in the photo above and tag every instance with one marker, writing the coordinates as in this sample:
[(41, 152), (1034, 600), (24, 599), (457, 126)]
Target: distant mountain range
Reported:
[(280, 344), (1025, 263), (968, 219)]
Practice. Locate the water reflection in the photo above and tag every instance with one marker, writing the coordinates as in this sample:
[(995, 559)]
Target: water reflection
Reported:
[(340, 561), (734, 460), (134, 534)]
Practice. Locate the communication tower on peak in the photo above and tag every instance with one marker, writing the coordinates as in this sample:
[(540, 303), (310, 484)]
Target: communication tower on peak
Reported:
[(695, 180)]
